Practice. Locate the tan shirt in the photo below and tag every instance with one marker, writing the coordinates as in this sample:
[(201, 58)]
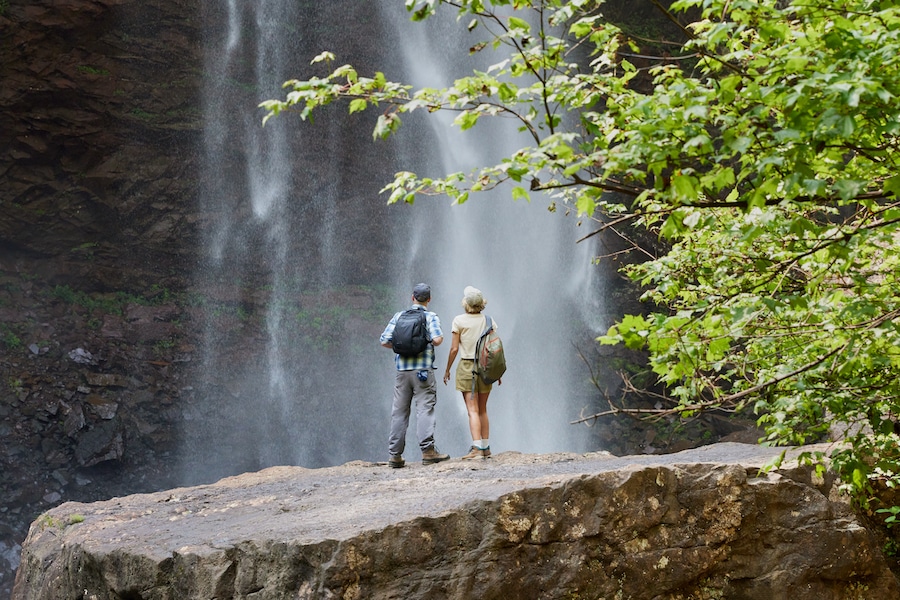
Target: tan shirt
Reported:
[(470, 327)]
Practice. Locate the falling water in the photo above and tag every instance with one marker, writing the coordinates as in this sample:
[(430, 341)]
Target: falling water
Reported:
[(245, 200), (541, 287), (303, 263), (266, 393)]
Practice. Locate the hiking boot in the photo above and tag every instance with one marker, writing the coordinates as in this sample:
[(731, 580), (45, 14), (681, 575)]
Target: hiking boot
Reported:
[(474, 452), (431, 456), (486, 452), (396, 461)]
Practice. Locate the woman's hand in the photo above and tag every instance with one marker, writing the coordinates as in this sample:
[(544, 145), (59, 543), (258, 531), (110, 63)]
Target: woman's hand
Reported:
[(454, 350)]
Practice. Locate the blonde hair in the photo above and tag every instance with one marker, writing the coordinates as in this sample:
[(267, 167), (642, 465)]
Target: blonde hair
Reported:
[(473, 301)]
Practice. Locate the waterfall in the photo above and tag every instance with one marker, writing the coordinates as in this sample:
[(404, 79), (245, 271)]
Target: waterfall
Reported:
[(245, 196), (303, 263)]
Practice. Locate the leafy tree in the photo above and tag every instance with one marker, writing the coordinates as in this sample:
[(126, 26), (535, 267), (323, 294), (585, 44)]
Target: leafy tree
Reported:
[(762, 146)]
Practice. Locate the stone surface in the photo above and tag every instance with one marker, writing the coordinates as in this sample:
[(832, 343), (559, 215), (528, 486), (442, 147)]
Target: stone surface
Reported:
[(703, 523)]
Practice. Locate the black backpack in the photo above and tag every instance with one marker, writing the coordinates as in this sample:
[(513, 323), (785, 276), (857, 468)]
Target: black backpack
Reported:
[(410, 336)]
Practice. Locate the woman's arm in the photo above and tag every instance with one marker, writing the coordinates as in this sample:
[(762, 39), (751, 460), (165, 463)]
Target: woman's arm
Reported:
[(454, 350)]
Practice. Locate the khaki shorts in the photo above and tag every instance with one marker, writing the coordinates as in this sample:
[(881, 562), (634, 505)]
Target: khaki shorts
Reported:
[(464, 377)]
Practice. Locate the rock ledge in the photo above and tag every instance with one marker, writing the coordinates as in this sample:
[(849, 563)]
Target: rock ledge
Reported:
[(703, 523)]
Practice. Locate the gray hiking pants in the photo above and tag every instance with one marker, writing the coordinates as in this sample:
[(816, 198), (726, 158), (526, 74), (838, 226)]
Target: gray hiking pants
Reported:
[(407, 388)]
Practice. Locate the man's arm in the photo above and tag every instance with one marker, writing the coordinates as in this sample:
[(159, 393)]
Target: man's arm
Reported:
[(387, 335), (434, 329)]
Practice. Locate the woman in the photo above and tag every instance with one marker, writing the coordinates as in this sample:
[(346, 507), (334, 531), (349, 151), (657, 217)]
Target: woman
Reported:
[(466, 329)]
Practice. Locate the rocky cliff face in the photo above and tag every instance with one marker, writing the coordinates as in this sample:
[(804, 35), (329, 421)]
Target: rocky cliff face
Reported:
[(99, 121), (101, 124), (700, 524)]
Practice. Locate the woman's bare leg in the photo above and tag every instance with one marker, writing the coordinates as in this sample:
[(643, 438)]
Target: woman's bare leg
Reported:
[(471, 401), (483, 421)]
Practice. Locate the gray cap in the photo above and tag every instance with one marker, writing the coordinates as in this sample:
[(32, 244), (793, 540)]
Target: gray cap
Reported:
[(422, 292)]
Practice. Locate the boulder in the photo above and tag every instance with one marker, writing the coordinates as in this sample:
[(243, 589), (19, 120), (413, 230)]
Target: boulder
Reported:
[(704, 523)]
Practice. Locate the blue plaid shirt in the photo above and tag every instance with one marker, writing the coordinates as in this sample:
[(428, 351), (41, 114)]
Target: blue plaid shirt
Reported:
[(420, 361)]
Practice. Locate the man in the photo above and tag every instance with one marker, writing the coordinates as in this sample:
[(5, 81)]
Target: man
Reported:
[(415, 380)]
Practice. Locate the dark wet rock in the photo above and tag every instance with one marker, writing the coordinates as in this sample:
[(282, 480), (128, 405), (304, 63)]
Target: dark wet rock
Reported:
[(81, 356), (100, 443), (106, 380)]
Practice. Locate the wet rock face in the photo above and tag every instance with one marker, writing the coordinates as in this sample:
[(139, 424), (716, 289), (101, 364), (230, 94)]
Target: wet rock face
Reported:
[(99, 126), (699, 524), (82, 415)]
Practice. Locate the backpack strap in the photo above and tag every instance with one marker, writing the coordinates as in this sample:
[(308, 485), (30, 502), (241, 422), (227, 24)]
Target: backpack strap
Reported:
[(488, 325), (427, 328)]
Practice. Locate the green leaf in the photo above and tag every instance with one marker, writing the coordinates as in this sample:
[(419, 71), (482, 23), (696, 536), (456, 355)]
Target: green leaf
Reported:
[(849, 188), (466, 119), (585, 205), (685, 187), (520, 193), (521, 25), (357, 105), (385, 126), (892, 186), (323, 57), (673, 226)]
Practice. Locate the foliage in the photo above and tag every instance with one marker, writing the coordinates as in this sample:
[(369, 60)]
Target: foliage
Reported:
[(92, 70), (113, 302), (9, 337), (762, 147), (47, 521)]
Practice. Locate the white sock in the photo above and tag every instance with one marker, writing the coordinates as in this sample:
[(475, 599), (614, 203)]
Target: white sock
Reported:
[(477, 444), (484, 444)]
